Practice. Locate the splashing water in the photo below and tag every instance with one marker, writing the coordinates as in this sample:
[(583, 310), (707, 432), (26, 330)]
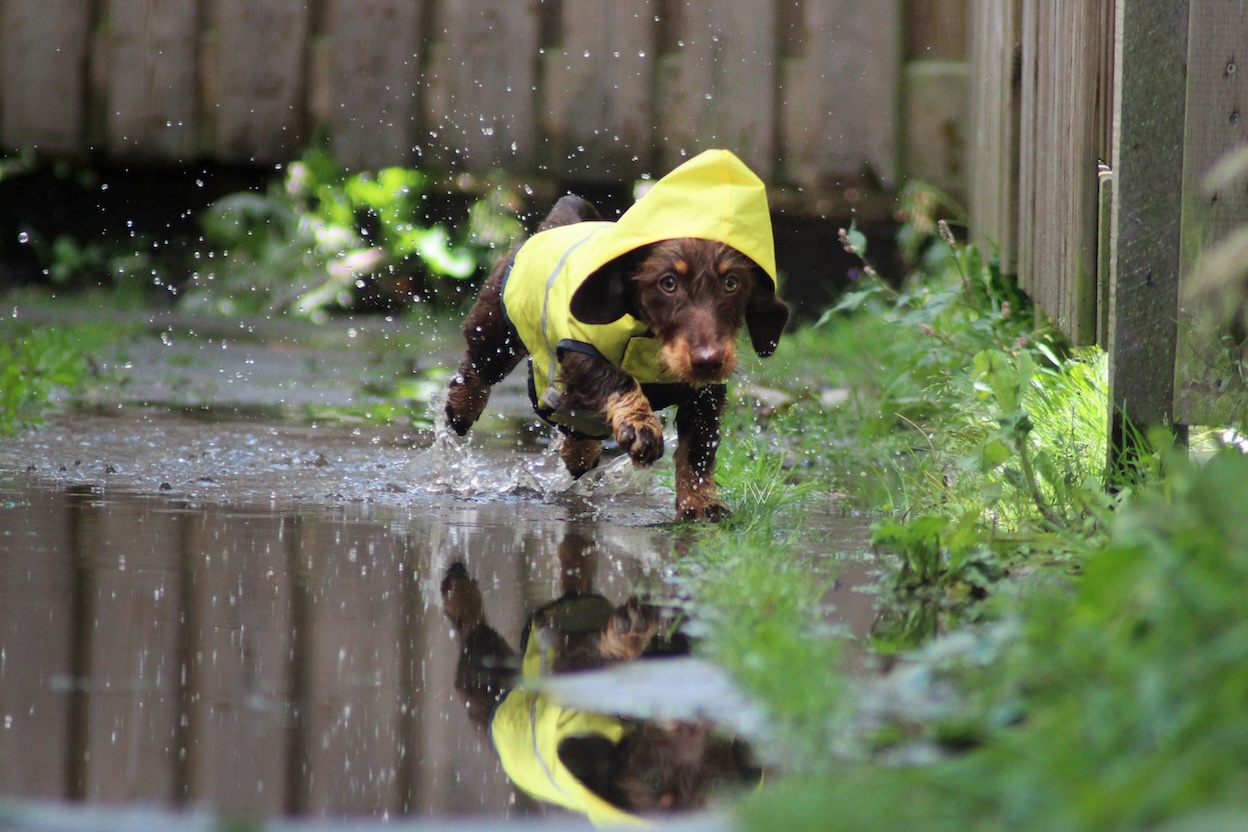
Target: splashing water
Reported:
[(450, 465)]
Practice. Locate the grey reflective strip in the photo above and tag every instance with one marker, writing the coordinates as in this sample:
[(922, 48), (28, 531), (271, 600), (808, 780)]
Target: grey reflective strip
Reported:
[(550, 282), (537, 754)]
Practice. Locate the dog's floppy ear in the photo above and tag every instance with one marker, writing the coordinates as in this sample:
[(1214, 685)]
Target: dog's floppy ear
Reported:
[(765, 316), (606, 295), (602, 298)]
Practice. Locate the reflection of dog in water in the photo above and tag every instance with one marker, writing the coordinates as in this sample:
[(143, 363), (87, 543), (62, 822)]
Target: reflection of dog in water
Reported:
[(607, 767)]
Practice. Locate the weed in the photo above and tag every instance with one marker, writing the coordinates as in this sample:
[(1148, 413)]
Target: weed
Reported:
[(322, 239), (36, 361)]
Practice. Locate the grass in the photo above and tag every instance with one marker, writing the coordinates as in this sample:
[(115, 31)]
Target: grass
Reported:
[(1108, 685), (38, 362)]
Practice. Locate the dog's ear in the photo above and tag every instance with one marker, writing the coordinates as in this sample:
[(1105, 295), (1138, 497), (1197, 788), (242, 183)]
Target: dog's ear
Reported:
[(602, 298), (606, 295), (765, 316)]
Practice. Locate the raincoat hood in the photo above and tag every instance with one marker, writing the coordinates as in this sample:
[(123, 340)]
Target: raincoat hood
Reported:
[(713, 196)]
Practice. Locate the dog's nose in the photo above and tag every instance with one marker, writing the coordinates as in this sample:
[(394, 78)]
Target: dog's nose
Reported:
[(707, 360)]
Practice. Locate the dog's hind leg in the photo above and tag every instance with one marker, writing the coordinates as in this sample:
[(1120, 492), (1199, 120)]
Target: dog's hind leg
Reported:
[(494, 350), (697, 428)]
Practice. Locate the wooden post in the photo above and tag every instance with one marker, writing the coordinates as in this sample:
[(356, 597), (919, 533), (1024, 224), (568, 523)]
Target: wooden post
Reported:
[(1217, 122), (1149, 92)]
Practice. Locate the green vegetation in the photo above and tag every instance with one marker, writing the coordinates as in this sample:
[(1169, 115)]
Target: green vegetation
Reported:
[(313, 241), (38, 361), (1098, 676)]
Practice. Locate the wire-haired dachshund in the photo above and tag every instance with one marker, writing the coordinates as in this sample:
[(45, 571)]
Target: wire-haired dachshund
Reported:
[(686, 299)]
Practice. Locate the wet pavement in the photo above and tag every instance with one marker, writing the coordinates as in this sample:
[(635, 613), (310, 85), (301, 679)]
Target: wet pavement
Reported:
[(209, 601)]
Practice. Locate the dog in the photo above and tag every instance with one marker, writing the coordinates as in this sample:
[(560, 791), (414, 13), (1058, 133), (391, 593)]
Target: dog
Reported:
[(608, 767), (620, 320)]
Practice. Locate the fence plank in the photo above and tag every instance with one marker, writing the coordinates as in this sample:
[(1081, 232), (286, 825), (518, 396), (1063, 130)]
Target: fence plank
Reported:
[(375, 59), (1217, 122), (853, 56), (992, 179), (720, 85), (43, 55), (600, 100), (1062, 136), (260, 64), (489, 117), (937, 30), (151, 78), (1149, 86)]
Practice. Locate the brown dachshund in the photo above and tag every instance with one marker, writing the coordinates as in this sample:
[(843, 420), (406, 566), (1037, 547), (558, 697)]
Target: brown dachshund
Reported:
[(620, 320)]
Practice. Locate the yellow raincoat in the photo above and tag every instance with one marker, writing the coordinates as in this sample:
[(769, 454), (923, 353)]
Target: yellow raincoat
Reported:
[(713, 196)]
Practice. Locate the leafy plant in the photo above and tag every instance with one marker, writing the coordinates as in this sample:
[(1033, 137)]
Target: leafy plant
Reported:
[(313, 242), (36, 361)]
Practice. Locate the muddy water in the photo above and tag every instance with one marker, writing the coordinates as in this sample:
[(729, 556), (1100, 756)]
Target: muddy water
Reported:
[(248, 618)]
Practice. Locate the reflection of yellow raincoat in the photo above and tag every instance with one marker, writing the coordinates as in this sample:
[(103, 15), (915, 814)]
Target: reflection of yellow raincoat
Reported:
[(713, 196), (527, 729)]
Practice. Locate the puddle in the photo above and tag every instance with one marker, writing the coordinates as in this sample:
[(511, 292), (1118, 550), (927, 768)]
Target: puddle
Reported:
[(247, 616)]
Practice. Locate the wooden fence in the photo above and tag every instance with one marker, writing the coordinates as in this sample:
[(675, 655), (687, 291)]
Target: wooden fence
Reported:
[(1092, 127), (810, 92)]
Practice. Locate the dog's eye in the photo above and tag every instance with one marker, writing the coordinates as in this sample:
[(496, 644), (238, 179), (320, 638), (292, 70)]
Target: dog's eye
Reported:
[(731, 283), (668, 283)]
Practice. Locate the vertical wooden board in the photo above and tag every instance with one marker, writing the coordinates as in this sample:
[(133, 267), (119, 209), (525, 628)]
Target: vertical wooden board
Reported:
[(937, 30), (43, 55), (490, 109), (725, 93), (992, 177), (936, 109), (1216, 124), (260, 64), (841, 113), (376, 50), (606, 90), (151, 78), (1151, 49), (1060, 154), (1028, 146)]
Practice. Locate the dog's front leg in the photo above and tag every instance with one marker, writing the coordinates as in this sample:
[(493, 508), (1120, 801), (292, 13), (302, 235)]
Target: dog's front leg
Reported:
[(697, 426), (596, 386)]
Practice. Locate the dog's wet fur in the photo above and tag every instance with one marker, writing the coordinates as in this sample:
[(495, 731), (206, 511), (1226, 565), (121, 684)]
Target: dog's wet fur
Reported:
[(694, 295)]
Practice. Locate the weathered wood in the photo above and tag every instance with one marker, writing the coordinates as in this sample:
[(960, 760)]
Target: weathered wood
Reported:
[(996, 85), (152, 68), (840, 104), (1149, 87), (375, 59), (1062, 136), (936, 30), (599, 98), (722, 89), (1207, 368), (43, 54), (489, 117), (937, 100), (260, 61)]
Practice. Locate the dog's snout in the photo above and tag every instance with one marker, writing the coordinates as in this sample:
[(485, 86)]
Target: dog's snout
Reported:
[(707, 359)]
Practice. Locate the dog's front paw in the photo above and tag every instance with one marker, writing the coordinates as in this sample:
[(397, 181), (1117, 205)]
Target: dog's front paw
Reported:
[(702, 508), (465, 400), (632, 627), (635, 427)]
